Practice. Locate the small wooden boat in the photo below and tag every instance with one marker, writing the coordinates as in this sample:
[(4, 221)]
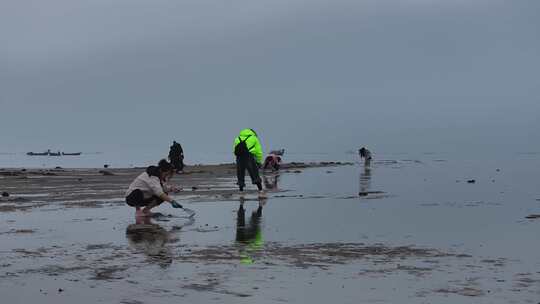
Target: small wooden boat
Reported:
[(55, 154), (37, 153), (71, 154)]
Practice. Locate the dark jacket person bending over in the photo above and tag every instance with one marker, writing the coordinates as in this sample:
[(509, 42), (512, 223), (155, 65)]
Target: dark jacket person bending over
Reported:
[(147, 189)]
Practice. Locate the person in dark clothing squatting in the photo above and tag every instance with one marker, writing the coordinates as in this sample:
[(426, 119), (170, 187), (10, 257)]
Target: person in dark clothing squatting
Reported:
[(147, 189), (248, 152), (176, 156)]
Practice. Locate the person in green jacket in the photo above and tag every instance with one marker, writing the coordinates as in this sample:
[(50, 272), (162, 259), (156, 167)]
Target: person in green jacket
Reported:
[(248, 152)]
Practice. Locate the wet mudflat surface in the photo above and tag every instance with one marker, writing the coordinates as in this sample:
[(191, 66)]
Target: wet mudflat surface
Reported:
[(413, 231)]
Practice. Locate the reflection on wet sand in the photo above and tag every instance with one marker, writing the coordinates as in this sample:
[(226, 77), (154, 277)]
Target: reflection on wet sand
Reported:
[(271, 182), (365, 180), (249, 238), (150, 239)]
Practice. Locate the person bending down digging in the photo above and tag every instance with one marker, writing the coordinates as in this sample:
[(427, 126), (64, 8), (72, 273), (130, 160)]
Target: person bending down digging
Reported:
[(366, 155), (272, 161), (147, 189), (248, 152)]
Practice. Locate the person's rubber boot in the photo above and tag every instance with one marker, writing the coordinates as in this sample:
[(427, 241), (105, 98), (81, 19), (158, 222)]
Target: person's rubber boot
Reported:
[(241, 192), (241, 210), (262, 194)]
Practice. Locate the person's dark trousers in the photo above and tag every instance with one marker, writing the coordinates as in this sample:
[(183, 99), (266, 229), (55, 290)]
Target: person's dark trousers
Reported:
[(136, 199), (177, 163), (248, 163), (180, 164)]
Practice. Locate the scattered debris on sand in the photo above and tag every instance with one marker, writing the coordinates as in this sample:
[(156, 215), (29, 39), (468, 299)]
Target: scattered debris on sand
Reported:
[(465, 291), (19, 231), (109, 273)]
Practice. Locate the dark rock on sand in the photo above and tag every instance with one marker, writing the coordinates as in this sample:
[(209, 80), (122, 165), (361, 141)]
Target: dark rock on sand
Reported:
[(471, 181), (5, 194), (106, 173), (365, 193), (98, 246), (108, 273)]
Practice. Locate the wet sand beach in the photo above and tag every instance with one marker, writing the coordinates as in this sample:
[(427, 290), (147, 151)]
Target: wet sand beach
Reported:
[(401, 230)]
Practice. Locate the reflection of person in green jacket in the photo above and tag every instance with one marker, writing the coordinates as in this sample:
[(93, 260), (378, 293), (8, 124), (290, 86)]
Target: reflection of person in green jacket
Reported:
[(249, 236), (248, 152)]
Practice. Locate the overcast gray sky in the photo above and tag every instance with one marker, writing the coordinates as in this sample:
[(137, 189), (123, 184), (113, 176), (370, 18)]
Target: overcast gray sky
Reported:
[(318, 75)]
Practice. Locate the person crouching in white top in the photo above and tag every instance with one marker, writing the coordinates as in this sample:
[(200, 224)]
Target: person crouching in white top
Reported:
[(147, 189)]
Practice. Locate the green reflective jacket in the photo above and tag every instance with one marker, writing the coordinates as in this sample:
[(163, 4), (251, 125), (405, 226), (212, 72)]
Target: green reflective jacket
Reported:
[(252, 143)]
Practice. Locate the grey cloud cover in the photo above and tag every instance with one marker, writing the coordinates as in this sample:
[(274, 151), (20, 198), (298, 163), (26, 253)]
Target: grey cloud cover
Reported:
[(310, 75)]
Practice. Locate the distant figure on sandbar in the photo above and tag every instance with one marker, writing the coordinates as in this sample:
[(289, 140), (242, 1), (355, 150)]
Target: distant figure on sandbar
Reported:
[(176, 156), (248, 152), (147, 189), (366, 155)]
